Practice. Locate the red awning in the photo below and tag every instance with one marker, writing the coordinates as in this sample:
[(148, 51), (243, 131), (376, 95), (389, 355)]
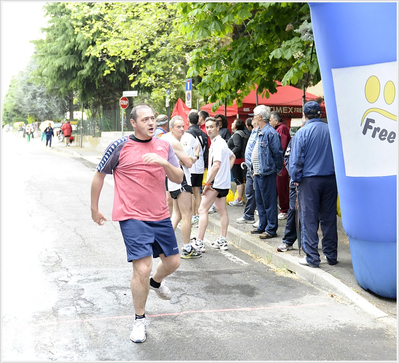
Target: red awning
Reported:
[(287, 101)]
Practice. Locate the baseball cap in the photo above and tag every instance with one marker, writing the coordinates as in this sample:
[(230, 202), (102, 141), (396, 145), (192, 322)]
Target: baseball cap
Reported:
[(311, 108), (161, 120)]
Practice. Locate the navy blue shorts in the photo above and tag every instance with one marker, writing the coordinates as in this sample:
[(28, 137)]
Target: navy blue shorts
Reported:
[(143, 239)]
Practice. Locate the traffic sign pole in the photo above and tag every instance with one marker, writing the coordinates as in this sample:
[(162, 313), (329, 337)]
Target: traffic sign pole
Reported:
[(124, 103)]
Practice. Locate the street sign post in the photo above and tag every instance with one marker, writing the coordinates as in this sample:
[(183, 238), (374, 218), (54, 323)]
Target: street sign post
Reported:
[(124, 103), (130, 93), (188, 92)]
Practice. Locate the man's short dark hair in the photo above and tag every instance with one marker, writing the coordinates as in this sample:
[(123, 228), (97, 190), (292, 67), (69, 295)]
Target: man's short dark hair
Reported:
[(203, 114), (248, 121), (212, 119), (240, 125), (133, 113), (193, 118), (277, 116)]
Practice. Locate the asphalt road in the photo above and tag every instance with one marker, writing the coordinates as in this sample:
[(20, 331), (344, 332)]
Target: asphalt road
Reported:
[(66, 296)]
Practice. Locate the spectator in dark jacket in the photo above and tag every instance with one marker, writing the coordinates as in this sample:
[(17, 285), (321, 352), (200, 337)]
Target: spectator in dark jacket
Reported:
[(49, 134), (224, 132), (236, 144)]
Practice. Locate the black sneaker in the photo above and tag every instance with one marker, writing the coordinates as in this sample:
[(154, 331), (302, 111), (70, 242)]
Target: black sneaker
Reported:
[(193, 253)]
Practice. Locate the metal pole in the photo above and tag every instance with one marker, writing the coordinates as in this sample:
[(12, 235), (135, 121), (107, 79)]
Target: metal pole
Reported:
[(122, 119), (81, 129)]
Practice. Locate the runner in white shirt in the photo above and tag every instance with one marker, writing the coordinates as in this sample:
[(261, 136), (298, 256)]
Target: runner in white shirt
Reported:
[(217, 186), (195, 140), (181, 193)]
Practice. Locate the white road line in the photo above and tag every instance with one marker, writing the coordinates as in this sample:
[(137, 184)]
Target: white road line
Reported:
[(229, 255)]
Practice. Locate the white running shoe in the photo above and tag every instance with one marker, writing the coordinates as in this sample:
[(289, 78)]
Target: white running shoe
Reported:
[(242, 220), (195, 219), (236, 203), (162, 291), (220, 243), (256, 224), (138, 334), (197, 244), (282, 216)]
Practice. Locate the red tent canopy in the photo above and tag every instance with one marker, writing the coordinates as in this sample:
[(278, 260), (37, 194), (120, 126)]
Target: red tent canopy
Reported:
[(182, 110), (231, 114), (287, 101)]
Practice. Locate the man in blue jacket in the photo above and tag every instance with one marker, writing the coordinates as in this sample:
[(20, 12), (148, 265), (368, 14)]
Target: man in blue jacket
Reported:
[(266, 163), (311, 167)]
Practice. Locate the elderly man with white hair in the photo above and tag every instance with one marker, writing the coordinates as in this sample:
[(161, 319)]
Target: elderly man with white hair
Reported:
[(267, 162)]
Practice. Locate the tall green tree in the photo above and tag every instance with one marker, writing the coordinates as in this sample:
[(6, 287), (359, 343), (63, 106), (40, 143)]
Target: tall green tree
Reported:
[(147, 35), (257, 45), (68, 69)]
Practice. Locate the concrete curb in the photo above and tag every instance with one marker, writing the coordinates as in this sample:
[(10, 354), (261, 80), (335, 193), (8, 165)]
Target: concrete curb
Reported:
[(316, 276)]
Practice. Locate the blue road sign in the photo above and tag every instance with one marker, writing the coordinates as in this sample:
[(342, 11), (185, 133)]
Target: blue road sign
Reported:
[(189, 84)]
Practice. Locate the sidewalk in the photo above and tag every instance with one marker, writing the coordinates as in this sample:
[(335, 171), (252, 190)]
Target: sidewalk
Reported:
[(338, 280)]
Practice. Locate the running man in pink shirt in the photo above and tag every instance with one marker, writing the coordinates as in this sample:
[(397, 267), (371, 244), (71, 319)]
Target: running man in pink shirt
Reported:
[(139, 164)]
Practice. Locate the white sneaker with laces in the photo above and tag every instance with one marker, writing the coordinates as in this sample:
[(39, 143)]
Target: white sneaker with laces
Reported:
[(197, 244), (220, 243), (256, 224), (282, 216), (138, 334), (242, 220), (162, 291), (236, 203), (223, 244), (195, 219)]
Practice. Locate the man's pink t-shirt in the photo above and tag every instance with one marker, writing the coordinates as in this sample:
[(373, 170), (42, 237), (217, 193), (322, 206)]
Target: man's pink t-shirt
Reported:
[(139, 187)]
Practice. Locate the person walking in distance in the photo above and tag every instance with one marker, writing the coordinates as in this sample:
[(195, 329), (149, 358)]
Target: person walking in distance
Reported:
[(49, 134), (283, 179), (267, 162), (29, 132), (217, 186), (311, 167), (67, 130), (195, 137), (139, 164), (181, 193)]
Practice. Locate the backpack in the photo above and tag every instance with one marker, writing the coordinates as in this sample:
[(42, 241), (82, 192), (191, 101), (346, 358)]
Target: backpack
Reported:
[(203, 140), (244, 138)]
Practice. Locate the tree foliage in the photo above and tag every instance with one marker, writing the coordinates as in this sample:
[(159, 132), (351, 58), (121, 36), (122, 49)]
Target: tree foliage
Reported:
[(145, 34), (256, 46)]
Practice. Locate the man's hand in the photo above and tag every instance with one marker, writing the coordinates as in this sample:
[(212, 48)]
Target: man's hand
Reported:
[(152, 158), (98, 217)]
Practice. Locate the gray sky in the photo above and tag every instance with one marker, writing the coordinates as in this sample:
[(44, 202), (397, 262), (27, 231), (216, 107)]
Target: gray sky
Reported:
[(20, 22)]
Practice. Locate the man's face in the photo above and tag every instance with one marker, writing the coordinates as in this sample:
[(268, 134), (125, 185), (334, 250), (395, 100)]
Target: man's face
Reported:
[(212, 129), (201, 120), (144, 126), (255, 121), (273, 121), (178, 129)]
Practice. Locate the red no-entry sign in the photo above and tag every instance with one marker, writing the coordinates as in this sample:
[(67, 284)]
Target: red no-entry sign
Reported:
[(124, 102)]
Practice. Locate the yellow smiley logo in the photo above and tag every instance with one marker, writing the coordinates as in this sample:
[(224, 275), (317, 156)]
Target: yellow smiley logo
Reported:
[(372, 93)]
